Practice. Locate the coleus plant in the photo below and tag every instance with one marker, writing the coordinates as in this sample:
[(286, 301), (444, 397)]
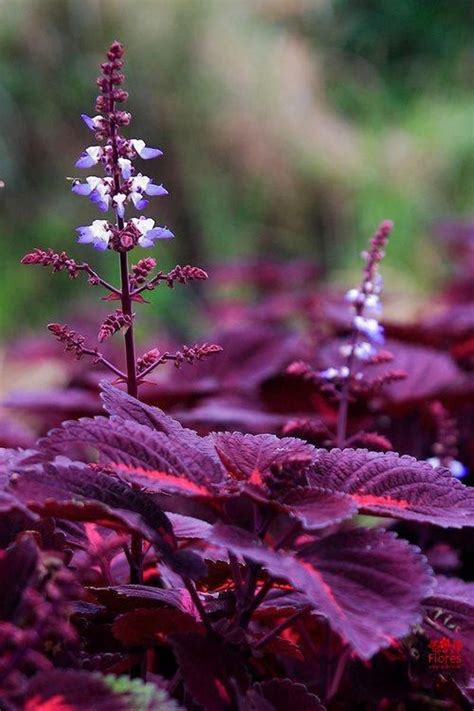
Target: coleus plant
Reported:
[(146, 566)]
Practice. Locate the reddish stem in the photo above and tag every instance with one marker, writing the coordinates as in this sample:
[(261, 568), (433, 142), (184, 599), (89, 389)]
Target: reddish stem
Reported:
[(279, 628)]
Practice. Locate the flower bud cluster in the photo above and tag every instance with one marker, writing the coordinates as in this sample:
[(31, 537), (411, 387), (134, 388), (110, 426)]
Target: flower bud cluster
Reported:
[(114, 322), (189, 354), (48, 258)]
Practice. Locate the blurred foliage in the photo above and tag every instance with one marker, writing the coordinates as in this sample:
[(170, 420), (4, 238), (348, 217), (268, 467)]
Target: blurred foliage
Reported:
[(290, 127)]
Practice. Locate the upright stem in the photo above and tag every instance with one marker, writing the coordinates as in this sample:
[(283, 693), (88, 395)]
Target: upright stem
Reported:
[(132, 384)]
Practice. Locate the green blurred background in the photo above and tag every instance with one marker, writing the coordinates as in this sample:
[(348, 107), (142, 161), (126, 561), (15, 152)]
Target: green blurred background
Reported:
[(290, 128)]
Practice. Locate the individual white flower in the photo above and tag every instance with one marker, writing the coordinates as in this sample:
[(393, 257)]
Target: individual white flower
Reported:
[(149, 233), (90, 157), (125, 166), (141, 184), (96, 189), (143, 150), (119, 201), (98, 234)]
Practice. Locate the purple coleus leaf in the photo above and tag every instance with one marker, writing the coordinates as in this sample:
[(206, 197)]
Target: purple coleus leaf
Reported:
[(279, 695), (183, 462), (250, 456), (387, 484), (76, 492), (273, 470), (119, 403), (366, 582), (316, 508)]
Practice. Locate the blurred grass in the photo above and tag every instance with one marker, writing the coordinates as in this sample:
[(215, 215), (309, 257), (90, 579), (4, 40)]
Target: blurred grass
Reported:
[(290, 127)]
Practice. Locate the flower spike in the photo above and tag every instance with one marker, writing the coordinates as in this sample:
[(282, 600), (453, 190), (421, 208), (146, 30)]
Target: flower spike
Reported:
[(120, 187)]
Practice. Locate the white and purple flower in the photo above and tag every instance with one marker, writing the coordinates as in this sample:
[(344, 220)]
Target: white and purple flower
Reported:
[(362, 351), (144, 151), (98, 234), (94, 123), (140, 185), (90, 157), (98, 190), (148, 232), (126, 167)]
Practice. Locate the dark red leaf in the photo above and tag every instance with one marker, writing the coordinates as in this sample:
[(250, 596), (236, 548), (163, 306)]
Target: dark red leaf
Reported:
[(119, 403), (212, 671), (67, 690), (145, 627), (63, 690), (122, 598)]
